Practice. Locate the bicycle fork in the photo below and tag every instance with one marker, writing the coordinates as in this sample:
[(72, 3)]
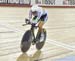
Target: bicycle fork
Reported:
[(33, 36)]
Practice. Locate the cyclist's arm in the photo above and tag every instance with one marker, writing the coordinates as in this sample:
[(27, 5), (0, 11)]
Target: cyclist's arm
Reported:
[(30, 14)]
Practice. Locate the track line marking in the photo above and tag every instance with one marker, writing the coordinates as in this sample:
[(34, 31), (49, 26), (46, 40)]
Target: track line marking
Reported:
[(61, 44)]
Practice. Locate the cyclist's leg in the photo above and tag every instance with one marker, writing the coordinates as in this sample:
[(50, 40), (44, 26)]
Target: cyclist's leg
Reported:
[(42, 21), (40, 25)]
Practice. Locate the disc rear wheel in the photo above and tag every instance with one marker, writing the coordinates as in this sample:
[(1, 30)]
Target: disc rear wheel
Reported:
[(40, 42)]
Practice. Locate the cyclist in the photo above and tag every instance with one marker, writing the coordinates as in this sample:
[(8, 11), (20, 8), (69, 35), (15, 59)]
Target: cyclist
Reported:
[(38, 16)]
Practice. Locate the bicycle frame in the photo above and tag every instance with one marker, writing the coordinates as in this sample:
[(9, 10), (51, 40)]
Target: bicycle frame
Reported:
[(33, 27)]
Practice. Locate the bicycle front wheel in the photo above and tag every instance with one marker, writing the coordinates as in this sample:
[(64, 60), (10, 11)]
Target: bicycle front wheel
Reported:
[(26, 41)]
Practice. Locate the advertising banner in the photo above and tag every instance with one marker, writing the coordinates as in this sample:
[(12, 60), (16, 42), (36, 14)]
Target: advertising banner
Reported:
[(16, 1), (56, 2)]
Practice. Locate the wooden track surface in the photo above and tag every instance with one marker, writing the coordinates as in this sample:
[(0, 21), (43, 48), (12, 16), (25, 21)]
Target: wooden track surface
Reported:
[(60, 39)]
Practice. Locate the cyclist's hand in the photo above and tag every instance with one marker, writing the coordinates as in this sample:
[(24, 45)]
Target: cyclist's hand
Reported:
[(27, 21)]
